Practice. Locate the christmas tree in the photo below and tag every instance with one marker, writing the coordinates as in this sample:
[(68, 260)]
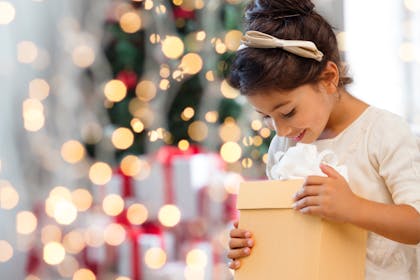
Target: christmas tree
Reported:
[(173, 60), (180, 138)]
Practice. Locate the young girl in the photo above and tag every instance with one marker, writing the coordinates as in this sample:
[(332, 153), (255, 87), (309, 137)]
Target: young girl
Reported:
[(289, 69)]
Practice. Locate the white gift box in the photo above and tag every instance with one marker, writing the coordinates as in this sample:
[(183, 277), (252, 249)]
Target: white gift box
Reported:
[(116, 185), (219, 205), (199, 259), (150, 191), (96, 255), (171, 271), (127, 261), (179, 183), (190, 176), (101, 255)]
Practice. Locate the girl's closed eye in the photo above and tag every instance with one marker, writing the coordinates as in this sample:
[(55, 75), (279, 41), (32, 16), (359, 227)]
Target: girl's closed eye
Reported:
[(290, 114)]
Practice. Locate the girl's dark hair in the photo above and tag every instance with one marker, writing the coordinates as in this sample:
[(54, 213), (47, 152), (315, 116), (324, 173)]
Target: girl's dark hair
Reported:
[(257, 69)]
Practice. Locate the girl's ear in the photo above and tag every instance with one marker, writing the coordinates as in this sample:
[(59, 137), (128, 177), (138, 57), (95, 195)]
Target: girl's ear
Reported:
[(330, 77)]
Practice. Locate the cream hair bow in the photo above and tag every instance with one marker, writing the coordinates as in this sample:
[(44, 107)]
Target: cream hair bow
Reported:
[(256, 39)]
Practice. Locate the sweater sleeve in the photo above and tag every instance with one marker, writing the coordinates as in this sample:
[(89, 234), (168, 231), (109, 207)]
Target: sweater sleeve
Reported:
[(395, 150)]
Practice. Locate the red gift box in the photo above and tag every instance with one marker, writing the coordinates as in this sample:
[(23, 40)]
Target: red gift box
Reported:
[(120, 184), (131, 253)]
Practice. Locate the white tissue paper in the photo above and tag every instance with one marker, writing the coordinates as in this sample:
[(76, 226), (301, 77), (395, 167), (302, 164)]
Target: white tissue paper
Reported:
[(303, 160)]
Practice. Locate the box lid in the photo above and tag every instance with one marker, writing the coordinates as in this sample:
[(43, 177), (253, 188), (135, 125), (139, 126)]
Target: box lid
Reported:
[(268, 194)]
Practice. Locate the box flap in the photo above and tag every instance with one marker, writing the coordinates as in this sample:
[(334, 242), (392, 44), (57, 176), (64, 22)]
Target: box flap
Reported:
[(268, 194)]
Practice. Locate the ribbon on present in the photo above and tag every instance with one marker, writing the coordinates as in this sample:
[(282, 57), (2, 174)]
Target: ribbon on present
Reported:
[(33, 261), (88, 263), (120, 184), (134, 234), (34, 256), (127, 184)]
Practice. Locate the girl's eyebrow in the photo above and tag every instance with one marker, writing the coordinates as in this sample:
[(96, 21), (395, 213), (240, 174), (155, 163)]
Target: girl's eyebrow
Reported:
[(275, 107)]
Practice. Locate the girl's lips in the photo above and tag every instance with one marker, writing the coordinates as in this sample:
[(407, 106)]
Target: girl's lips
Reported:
[(300, 136)]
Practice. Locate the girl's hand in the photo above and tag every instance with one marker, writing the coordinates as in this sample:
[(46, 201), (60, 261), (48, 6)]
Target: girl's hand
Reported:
[(240, 245), (328, 197)]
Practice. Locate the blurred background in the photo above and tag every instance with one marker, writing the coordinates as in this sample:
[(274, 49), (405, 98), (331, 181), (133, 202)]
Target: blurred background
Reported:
[(122, 146)]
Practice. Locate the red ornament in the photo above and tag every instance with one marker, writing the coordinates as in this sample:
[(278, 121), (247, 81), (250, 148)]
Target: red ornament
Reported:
[(129, 78), (184, 14)]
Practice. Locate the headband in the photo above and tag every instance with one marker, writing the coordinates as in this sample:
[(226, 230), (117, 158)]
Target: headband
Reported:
[(256, 39)]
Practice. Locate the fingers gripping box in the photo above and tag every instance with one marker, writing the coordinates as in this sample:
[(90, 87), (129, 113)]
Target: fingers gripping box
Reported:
[(293, 246)]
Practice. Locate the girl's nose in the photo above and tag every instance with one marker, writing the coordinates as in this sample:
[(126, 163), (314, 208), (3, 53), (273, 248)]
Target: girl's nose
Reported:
[(278, 126), (283, 130)]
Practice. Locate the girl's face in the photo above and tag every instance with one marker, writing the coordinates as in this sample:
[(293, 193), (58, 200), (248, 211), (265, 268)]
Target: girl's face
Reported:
[(301, 114)]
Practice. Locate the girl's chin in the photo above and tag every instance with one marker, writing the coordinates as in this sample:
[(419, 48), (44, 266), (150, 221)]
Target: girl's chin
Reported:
[(306, 142)]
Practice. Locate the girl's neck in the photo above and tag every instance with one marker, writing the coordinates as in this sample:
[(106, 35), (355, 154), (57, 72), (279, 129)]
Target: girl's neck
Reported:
[(347, 109)]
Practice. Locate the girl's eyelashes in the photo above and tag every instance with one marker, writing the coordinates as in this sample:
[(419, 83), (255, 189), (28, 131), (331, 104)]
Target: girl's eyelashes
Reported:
[(285, 116), (290, 114)]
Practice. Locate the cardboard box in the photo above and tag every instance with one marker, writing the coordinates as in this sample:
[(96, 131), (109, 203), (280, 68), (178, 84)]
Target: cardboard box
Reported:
[(293, 246)]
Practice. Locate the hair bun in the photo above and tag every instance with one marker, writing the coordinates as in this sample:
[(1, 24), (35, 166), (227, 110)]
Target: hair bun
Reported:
[(278, 8)]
